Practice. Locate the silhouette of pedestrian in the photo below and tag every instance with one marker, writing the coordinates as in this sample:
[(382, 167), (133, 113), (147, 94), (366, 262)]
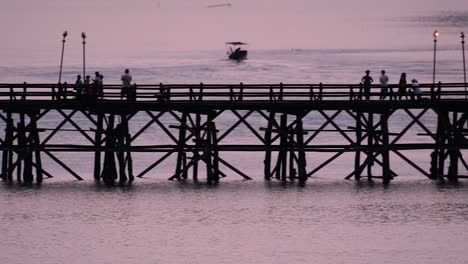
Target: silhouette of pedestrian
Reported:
[(402, 86), (96, 84), (88, 89), (78, 87), (367, 81), (383, 85), (416, 93), (126, 85), (101, 87)]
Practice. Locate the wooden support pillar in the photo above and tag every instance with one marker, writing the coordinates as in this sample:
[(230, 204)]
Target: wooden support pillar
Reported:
[(197, 134), (109, 172), (22, 147), (267, 161), (282, 165), (129, 160), (126, 149), (27, 173), (97, 146), (357, 158), (120, 132), (302, 174), (370, 143), (292, 148), (214, 144), (207, 152), (35, 144), (181, 155), (386, 173), (454, 151), (7, 152), (441, 143), (10, 132)]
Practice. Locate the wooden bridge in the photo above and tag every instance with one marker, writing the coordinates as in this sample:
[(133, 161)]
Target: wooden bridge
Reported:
[(287, 138)]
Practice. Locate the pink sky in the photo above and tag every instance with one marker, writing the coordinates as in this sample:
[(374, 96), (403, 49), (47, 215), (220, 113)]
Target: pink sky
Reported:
[(146, 25)]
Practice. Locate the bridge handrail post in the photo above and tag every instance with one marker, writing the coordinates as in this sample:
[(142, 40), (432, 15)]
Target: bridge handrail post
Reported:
[(53, 92), (351, 93), (281, 91), (432, 92), (311, 93), (200, 96), (320, 91), (190, 93), (231, 94), (161, 93), (241, 92), (439, 90), (12, 94), (271, 94), (64, 91), (167, 94), (361, 87), (23, 95)]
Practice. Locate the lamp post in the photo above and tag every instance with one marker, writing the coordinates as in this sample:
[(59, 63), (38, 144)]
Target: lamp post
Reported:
[(462, 36), (64, 35), (83, 36), (435, 35)]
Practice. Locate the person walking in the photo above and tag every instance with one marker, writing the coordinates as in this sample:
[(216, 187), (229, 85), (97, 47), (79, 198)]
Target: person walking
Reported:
[(402, 85), (383, 85), (126, 85), (366, 82)]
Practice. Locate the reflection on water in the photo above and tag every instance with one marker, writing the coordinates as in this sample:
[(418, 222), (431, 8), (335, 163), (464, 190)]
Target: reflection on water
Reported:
[(327, 221)]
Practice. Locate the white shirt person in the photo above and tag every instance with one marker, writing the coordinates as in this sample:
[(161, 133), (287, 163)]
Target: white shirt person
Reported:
[(126, 84), (384, 85)]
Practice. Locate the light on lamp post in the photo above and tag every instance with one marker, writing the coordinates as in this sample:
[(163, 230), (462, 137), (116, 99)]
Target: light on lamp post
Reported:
[(64, 35), (436, 36), (83, 36), (462, 36)]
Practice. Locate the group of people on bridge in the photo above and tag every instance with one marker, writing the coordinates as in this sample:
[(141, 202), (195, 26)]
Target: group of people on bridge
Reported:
[(404, 90), (90, 90)]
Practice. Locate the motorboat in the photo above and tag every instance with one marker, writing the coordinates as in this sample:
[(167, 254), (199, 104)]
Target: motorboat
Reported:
[(236, 52)]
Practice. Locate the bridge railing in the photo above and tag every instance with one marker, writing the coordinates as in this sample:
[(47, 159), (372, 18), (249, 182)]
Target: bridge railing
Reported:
[(234, 92)]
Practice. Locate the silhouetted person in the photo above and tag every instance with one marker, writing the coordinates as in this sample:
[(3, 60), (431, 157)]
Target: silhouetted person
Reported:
[(402, 85), (367, 81), (96, 84), (87, 85), (126, 85), (384, 85), (101, 87), (78, 87), (416, 90)]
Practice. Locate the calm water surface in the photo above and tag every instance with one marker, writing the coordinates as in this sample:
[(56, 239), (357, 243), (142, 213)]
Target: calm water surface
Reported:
[(327, 221)]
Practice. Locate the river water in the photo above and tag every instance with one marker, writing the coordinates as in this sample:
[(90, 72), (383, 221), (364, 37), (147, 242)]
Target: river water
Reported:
[(330, 220)]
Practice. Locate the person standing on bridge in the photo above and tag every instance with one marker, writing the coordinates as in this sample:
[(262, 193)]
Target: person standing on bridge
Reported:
[(126, 85), (384, 86), (416, 93), (367, 81), (78, 87), (101, 87), (402, 86)]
